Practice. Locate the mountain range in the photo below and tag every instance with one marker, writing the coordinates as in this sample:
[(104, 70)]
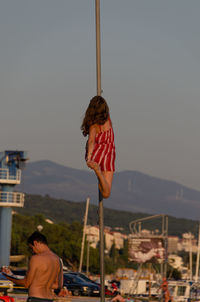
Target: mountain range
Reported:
[(132, 191)]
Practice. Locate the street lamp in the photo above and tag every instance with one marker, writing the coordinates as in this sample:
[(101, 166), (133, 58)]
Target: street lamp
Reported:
[(40, 228)]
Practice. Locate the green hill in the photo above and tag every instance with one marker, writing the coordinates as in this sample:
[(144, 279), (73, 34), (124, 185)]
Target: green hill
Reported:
[(59, 210)]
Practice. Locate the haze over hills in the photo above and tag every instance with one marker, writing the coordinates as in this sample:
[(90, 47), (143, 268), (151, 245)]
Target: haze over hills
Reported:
[(132, 191)]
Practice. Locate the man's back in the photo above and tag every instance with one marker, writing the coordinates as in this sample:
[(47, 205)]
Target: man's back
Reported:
[(43, 274), (45, 271)]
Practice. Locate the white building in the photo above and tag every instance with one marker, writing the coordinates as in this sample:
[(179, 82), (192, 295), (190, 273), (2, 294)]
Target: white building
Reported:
[(111, 238), (187, 243)]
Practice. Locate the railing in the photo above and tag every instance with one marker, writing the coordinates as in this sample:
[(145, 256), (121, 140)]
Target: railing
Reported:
[(11, 199), (7, 177)]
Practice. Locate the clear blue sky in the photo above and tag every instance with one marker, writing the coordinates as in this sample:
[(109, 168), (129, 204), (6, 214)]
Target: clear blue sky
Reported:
[(150, 78)]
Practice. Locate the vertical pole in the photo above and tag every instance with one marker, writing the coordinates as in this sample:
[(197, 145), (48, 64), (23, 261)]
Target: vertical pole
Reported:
[(83, 238), (140, 227), (5, 227), (101, 247), (98, 47), (197, 261), (88, 257), (101, 219), (5, 235), (190, 257), (166, 244)]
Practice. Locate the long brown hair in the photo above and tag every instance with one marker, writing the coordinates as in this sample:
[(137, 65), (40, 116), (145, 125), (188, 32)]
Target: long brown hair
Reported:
[(96, 113)]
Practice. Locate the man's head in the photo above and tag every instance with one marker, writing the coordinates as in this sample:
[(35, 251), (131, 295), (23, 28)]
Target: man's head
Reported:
[(36, 241)]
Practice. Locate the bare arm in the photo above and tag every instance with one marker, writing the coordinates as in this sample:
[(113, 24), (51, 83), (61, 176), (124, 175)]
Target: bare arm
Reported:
[(33, 266), (91, 141), (15, 280), (9, 275), (26, 282)]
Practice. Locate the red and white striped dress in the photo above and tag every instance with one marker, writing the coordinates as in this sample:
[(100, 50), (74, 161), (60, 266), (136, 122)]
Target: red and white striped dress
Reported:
[(104, 149)]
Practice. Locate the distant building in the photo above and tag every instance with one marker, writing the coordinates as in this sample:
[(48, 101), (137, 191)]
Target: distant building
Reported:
[(49, 221), (111, 238), (119, 239), (173, 244), (92, 233), (187, 243)]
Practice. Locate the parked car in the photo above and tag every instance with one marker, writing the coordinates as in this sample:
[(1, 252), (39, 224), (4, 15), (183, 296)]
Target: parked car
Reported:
[(83, 276), (107, 291), (80, 287)]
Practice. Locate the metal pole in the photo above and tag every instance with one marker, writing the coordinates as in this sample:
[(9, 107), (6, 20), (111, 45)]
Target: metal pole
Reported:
[(101, 220), (166, 244), (5, 235), (98, 48), (197, 261), (84, 230), (190, 257), (101, 247), (88, 258)]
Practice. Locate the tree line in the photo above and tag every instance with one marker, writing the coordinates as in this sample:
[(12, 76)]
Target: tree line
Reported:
[(60, 210), (65, 240)]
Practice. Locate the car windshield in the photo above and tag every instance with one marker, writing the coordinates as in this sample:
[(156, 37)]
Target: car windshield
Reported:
[(74, 278), (84, 277)]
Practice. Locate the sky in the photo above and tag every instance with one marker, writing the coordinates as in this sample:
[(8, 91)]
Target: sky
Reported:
[(150, 62)]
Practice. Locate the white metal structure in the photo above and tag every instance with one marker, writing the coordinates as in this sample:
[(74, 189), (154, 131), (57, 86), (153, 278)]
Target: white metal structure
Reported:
[(179, 290), (140, 288), (11, 199), (7, 178)]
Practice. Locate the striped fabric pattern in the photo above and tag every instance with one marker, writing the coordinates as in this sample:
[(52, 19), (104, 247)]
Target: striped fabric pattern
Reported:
[(104, 150)]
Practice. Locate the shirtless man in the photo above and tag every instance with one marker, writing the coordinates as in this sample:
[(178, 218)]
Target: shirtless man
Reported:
[(45, 271)]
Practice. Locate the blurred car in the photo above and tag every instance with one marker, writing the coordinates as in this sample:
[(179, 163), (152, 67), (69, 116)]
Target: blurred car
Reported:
[(83, 276), (5, 284), (107, 291), (80, 287)]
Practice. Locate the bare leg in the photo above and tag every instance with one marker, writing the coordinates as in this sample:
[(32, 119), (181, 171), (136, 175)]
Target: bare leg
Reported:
[(118, 298), (104, 178)]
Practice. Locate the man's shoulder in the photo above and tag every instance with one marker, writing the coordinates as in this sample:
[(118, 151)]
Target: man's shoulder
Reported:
[(41, 260), (44, 257), (35, 258), (48, 255)]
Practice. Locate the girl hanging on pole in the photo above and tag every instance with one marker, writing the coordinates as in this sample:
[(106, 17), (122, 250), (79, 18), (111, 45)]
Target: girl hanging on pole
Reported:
[(100, 147)]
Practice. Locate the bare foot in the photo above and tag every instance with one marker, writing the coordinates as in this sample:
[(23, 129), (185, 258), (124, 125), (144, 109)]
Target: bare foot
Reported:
[(94, 166)]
